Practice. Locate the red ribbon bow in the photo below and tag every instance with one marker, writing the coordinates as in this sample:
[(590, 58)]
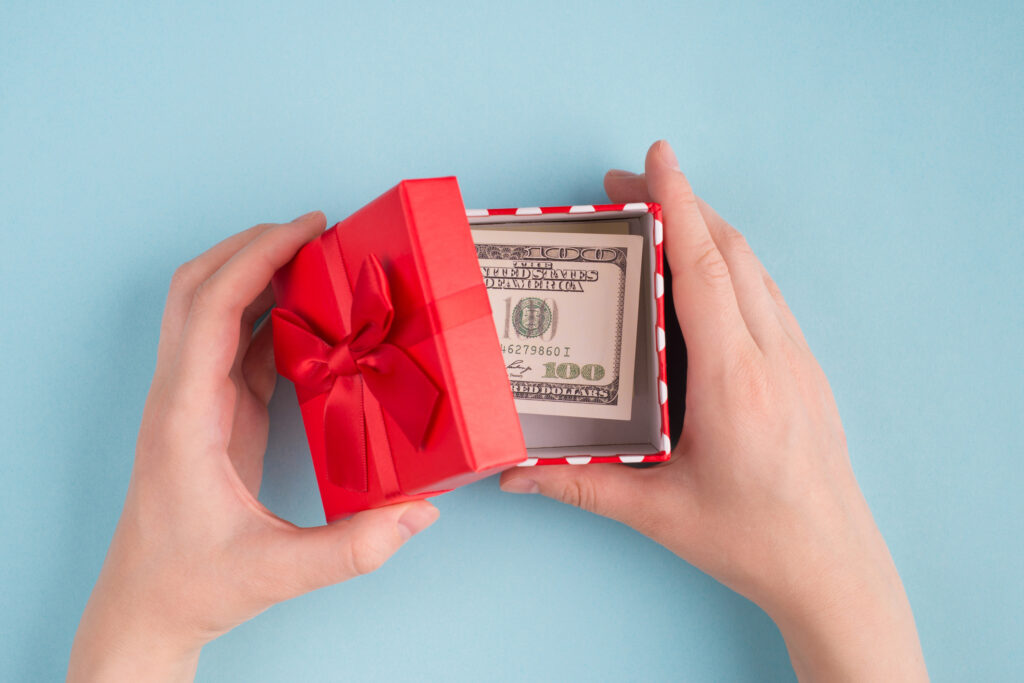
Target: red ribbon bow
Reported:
[(362, 360)]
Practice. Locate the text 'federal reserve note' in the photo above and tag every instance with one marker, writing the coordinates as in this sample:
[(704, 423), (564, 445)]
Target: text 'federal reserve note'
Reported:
[(565, 306)]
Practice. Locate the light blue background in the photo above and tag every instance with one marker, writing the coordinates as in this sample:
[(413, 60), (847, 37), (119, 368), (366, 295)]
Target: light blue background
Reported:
[(872, 155)]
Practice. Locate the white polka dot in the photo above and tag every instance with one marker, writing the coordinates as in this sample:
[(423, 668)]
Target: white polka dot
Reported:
[(659, 285), (477, 212), (661, 338), (582, 208), (659, 232), (631, 458), (529, 462), (578, 459), (666, 444), (662, 391), (635, 206), (529, 211)]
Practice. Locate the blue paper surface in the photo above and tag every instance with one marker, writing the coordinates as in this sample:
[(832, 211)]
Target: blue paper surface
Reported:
[(872, 155)]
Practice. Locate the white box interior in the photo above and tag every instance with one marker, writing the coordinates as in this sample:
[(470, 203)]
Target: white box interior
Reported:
[(550, 436)]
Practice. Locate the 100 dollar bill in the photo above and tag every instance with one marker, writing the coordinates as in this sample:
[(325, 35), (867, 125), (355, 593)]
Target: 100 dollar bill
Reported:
[(565, 306)]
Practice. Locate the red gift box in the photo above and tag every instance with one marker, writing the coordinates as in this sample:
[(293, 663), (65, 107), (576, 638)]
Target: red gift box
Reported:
[(384, 325)]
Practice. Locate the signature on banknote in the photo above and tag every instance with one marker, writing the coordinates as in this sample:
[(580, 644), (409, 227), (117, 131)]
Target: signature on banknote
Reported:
[(516, 369)]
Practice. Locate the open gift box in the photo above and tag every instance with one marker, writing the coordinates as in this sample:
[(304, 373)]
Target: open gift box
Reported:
[(385, 326)]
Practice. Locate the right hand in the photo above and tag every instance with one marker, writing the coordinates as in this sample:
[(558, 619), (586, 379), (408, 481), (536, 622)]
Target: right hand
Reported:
[(759, 493)]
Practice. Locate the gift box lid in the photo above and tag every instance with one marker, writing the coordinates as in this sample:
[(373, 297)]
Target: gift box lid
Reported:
[(386, 323)]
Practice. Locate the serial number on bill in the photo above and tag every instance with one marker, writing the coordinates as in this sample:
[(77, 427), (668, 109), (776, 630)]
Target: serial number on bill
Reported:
[(535, 350)]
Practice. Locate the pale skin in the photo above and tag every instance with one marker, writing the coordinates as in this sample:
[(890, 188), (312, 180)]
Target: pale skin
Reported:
[(195, 553), (759, 493)]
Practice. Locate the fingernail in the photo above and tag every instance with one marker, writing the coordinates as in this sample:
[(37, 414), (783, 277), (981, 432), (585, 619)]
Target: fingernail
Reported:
[(520, 485), (417, 518), (305, 216), (668, 155), (620, 172)]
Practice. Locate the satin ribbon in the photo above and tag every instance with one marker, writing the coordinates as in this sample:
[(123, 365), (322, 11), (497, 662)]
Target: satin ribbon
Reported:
[(363, 360)]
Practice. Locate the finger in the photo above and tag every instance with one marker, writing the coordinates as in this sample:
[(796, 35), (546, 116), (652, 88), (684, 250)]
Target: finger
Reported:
[(259, 306), (211, 337), (745, 270), (624, 186), (754, 274), (186, 280), (703, 291), (789, 321), (258, 366), (247, 442), (622, 493), (252, 313), (348, 548)]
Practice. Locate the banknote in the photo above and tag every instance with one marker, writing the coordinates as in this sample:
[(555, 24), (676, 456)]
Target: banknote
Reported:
[(565, 306)]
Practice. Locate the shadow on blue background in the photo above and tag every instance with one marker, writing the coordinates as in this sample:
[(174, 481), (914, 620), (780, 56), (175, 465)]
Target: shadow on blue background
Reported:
[(871, 155)]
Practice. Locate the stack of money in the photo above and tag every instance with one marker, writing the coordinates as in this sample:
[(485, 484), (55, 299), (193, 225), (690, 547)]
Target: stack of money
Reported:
[(565, 306)]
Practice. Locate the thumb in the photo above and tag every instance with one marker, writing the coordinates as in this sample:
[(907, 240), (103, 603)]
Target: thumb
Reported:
[(358, 545), (611, 490)]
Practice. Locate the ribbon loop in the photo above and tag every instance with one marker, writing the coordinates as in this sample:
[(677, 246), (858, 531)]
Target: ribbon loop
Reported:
[(362, 360)]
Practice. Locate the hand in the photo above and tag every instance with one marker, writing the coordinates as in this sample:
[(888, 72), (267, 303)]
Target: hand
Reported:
[(195, 553), (759, 492)]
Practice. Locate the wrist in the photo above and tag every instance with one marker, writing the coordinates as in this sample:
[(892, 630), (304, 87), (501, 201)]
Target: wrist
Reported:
[(862, 629), (111, 645), (120, 637), (101, 654)]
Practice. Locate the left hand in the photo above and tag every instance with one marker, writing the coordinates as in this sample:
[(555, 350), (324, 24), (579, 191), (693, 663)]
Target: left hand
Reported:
[(195, 553)]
